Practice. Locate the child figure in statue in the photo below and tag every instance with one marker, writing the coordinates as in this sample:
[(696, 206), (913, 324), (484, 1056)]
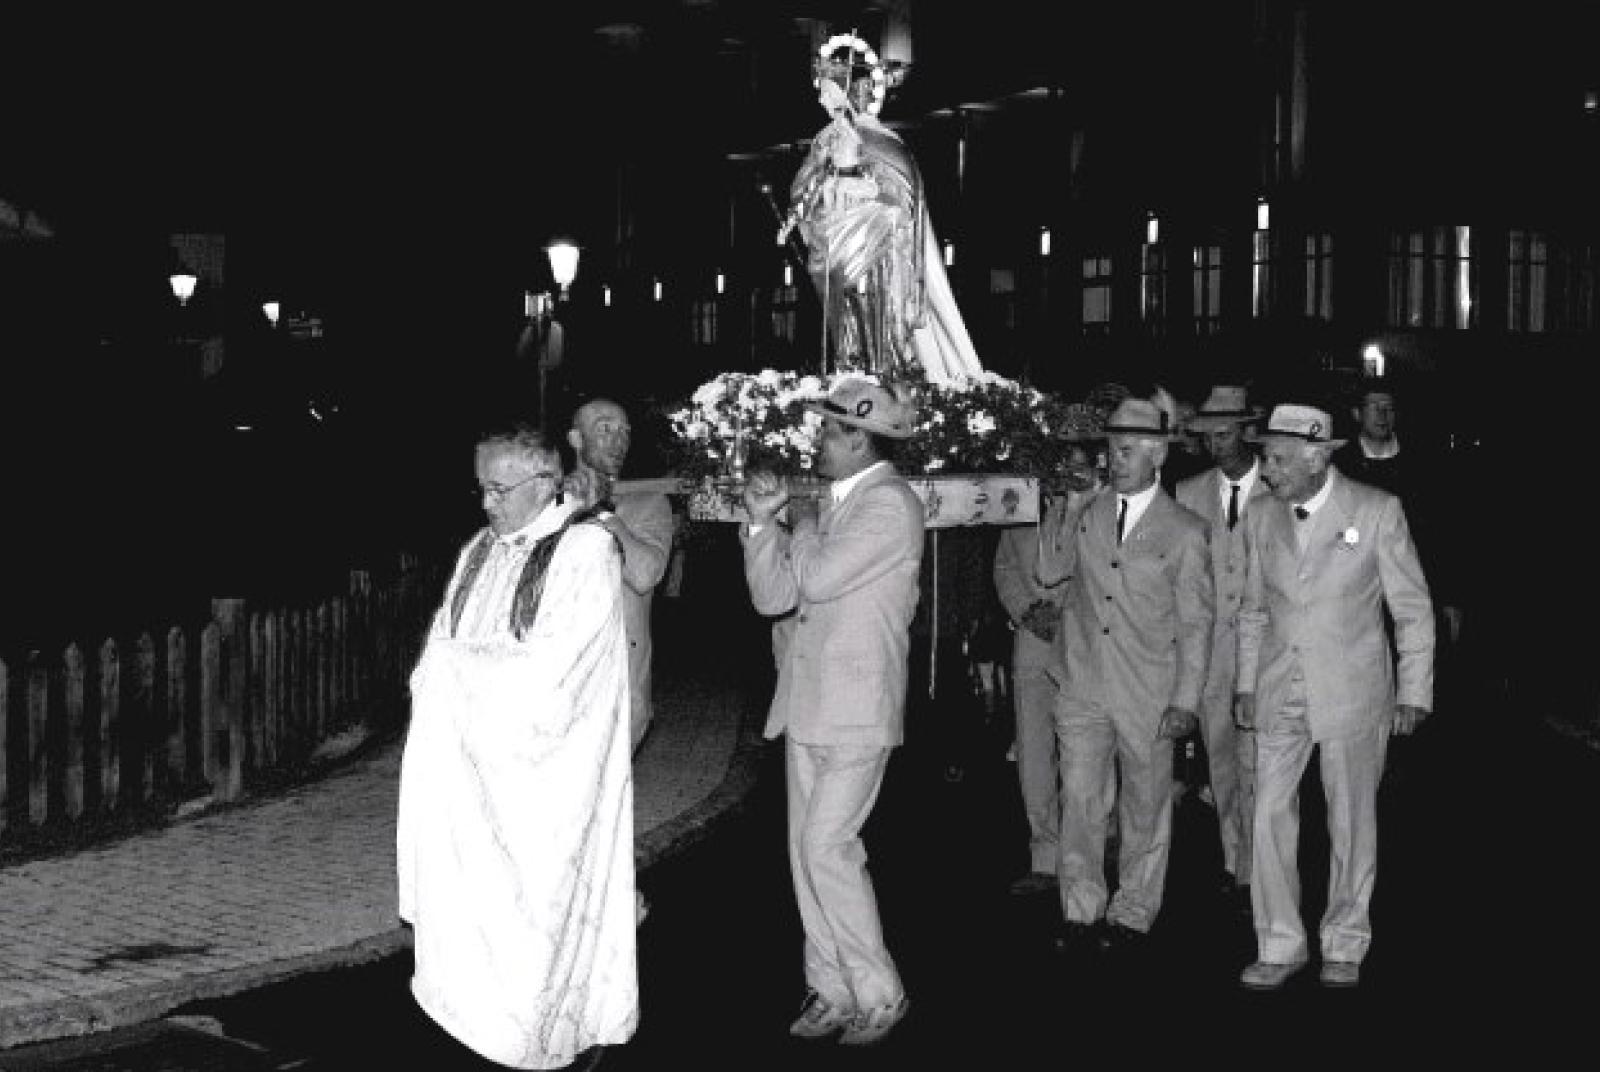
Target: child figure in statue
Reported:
[(858, 203)]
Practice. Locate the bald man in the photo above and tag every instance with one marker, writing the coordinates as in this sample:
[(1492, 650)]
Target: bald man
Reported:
[(642, 523)]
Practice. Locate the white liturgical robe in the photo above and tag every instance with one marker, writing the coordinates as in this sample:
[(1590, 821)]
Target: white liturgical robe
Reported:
[(515, 829)]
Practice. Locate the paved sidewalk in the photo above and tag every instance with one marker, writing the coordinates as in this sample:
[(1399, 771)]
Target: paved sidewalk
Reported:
[(303, 881)]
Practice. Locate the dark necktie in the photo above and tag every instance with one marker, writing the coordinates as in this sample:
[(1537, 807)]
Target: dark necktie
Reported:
[(1122, 515), (1301, 513), (1233, 506)]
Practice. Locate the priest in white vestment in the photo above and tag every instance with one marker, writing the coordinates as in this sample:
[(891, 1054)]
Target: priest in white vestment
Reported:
[(515, 830)]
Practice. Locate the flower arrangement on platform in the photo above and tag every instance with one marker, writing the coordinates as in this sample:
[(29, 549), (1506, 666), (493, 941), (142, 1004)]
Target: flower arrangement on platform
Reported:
[(741, 421), (990, 424), (984, 424)]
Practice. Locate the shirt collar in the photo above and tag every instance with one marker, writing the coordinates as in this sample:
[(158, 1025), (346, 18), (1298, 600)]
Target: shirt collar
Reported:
[(548, 520), (1380, 450), (1313, 504), (1142, 499), (840, 488), (1246, 483)]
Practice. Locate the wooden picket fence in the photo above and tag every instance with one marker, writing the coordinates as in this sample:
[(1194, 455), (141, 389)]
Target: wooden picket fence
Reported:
[(176, 715)]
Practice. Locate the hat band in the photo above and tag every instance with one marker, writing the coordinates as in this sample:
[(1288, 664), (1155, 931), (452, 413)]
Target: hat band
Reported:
[(1307, 436), (1141, 429)]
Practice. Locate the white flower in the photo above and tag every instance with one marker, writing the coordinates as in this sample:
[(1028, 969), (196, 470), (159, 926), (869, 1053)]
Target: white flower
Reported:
[(1350, 537), (980, 424), (709, 394)]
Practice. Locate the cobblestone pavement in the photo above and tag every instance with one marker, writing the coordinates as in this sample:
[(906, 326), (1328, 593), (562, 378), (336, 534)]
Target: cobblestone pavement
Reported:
[(303, 881)]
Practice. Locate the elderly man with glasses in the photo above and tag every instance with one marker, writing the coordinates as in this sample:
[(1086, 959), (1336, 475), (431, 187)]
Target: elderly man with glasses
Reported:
[(515, 840)]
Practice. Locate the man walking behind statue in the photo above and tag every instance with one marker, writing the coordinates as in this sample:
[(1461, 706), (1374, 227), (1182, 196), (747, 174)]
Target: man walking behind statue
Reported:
[(1325, 557)]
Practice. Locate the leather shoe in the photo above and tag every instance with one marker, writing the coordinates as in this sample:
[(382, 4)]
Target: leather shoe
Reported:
[(1076, 939), (1340, 973), (1267, 975), (872, 1026), (1033, 882), (820, 1018), (1121, 940)]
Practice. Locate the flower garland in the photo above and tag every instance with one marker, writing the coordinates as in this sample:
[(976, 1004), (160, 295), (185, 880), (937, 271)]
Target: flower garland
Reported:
[(984, 424), (880, 80)]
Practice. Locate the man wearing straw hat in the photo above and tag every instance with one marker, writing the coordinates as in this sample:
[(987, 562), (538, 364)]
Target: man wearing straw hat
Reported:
[(1324, 558), (845, 583), (1137, 633), (1223, 495)]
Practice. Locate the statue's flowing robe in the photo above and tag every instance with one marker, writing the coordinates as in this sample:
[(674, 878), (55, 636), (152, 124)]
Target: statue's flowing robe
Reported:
[(516, 805), (875, 261)]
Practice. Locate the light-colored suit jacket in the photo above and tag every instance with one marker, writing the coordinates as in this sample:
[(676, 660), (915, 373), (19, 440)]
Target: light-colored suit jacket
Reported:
[(1322, 611), (1202, 493), (1016, 582), (1138, 617), (648, 516), (850, 587)]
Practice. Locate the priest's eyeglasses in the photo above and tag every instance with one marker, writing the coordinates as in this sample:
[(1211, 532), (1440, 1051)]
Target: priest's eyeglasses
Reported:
[(496, 492)]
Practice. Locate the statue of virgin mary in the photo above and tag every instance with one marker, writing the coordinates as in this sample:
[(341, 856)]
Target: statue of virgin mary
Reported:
[(858, 203)]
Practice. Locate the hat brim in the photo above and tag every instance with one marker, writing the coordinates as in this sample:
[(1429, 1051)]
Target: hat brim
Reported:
[(1167, 436), (843, 416), (1202, 422), (1301, 438)]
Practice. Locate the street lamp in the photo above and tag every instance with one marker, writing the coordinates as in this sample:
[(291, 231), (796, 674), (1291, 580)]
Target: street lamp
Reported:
[(563, 256), (183, 283), (272, 310)]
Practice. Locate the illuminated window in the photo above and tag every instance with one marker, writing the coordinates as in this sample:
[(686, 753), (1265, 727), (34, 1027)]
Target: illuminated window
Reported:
[(1527, 281), (785, 310), (1431, 282), (1207, 279), (1260, 272), (1319, 276), (705, 322), (1152, 286), (1096, 295)]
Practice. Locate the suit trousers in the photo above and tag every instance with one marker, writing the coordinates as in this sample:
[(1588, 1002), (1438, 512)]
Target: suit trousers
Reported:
[(831, 790), (1101, 766), (1231, 766), (1351, 768), (1033, 699)]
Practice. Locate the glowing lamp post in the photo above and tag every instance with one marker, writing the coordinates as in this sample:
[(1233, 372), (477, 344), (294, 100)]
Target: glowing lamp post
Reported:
[(563, 263), (183, 284), (563, 269)]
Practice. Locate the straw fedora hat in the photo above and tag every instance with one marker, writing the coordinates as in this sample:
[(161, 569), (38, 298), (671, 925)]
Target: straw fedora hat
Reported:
[(1305, 423), (1224, 406), (864, 404)]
